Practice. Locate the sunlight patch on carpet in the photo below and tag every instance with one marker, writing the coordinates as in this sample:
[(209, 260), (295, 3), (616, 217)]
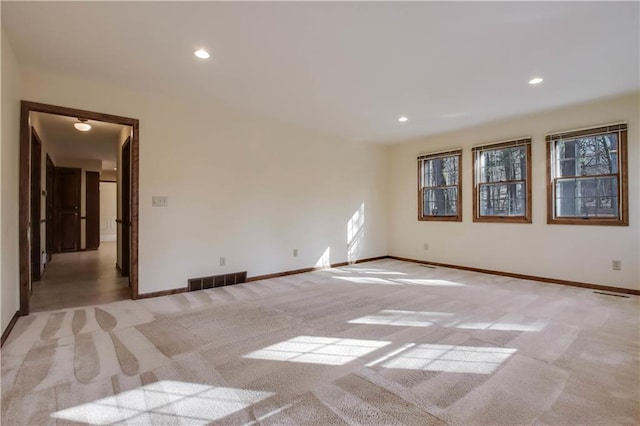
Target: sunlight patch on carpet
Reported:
[(402, 318), (448, 358), (318, 350), (198, 403), (502, 326)]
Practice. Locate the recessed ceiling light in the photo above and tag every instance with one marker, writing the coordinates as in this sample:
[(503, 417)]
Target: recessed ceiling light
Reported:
[(82, 125), (536, 80), (115, 168), (201, 53), (403, 119)]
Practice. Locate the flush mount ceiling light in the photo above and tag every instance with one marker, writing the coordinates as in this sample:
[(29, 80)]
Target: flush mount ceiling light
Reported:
[(403, 119), (82, 125), (536, 80), (202, 54)]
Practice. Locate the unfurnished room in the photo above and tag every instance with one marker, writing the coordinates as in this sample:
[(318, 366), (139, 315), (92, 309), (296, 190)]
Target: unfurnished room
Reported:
[(320, 213)]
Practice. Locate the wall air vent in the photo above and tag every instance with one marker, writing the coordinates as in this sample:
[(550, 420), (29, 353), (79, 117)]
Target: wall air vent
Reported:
[(204, 283)]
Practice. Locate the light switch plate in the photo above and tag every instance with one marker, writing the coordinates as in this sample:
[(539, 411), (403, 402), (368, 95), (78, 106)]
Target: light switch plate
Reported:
[(160, 201)]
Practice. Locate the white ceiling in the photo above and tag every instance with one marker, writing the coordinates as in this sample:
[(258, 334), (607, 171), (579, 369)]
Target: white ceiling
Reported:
[(346, 68), (65, 142)]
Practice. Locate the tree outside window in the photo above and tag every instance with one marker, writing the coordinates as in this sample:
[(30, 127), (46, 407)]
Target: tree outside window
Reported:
[(439, 186), (587, 182), (501, 187)]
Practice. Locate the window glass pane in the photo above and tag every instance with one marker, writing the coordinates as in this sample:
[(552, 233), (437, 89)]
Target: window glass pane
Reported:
[(503, 199), (440, 202), (440, 184), (597, 165), (567, 167), (588, 156), (440, 171), (587, 197), (566, 149), (427, 175), (586, 176), (501, 165)]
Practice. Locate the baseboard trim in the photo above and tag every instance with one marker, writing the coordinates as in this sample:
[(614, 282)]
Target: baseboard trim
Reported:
[(257, 278), (163, 293), (405, 259), (7, 331), (524, 276), (368, 259), (303, 270), (280, 274)]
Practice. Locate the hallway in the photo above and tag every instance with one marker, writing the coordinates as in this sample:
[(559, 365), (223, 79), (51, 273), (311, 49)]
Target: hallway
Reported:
[(80, 279)]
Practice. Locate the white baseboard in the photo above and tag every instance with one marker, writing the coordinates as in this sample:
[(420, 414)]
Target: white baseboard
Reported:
[(110, 237)]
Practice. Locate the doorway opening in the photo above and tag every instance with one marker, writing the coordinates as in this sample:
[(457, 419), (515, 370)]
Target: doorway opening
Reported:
[(79, 225)]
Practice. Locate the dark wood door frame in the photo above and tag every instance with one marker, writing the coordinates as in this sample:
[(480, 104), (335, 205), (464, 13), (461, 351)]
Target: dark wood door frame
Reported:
[(92, 197), (36, 203), (49, 208), (125, 218), (25, 191)]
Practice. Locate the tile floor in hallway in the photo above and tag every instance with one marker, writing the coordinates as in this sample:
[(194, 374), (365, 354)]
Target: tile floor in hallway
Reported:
[(383, 342), (80, 279)]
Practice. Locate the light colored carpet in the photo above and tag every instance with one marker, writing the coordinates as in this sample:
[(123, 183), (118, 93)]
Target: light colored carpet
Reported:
[(384, 342)]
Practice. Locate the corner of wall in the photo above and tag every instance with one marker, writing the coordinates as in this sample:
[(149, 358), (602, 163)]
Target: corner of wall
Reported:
[(9, 172)]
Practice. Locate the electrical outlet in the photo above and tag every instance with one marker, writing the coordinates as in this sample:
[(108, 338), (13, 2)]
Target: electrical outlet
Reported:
[(426, 246), (223, 261), (616, 265), (295, 252)]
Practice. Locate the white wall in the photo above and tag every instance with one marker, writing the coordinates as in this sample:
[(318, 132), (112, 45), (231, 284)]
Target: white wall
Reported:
[(569, 252), (9, 155), (108, 211), (242, 187)]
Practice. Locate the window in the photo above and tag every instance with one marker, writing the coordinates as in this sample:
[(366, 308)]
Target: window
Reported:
[(501, 182), (587, 176), (439, 186)]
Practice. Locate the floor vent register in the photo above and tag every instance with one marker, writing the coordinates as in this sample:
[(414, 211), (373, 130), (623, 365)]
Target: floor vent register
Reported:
[(204, 283)]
